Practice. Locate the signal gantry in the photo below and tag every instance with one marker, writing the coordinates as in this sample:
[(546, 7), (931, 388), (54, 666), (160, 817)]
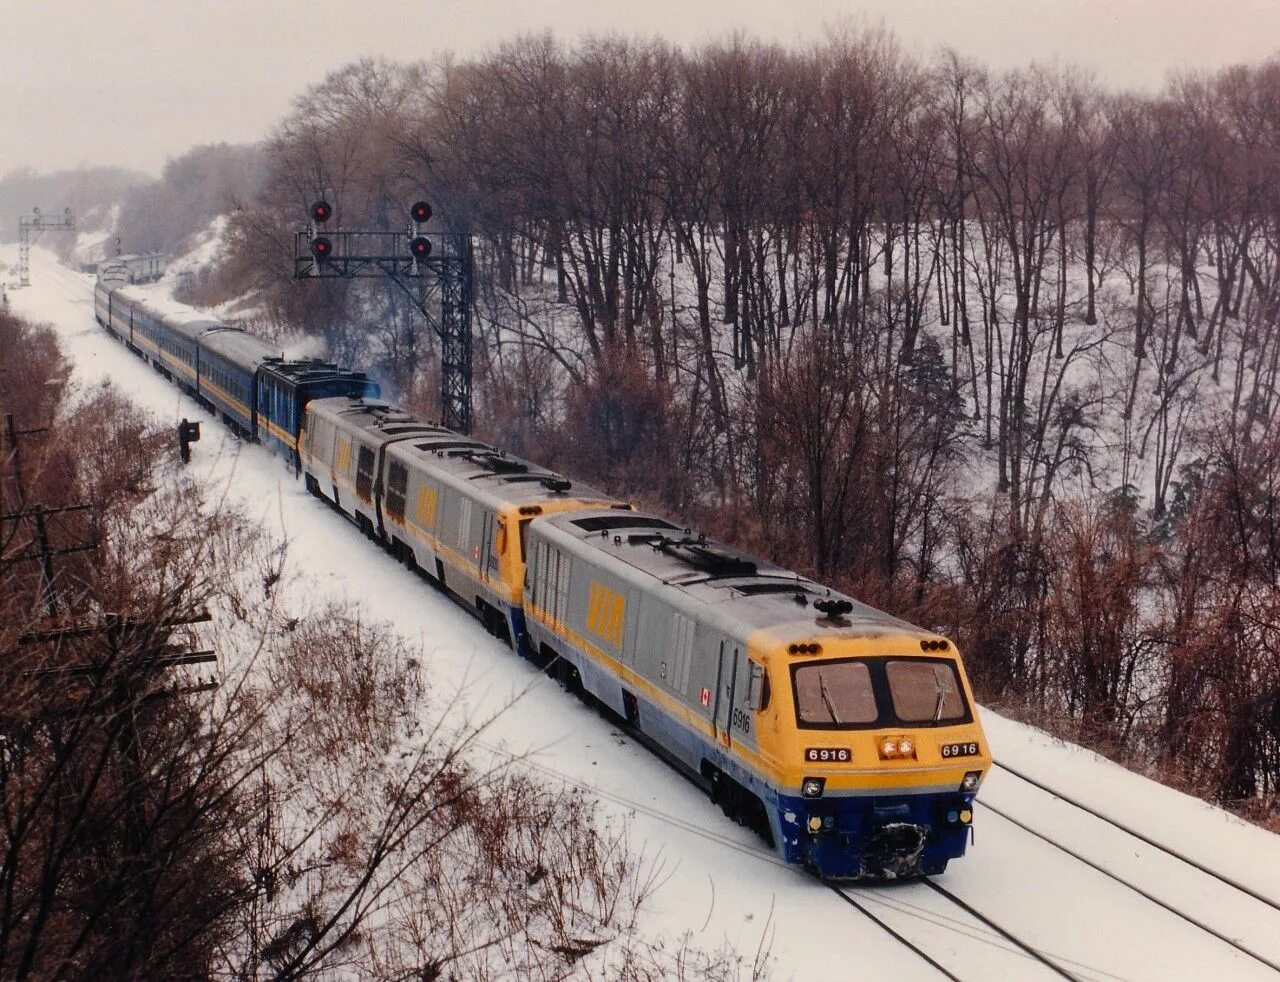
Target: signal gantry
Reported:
[(440, 262)]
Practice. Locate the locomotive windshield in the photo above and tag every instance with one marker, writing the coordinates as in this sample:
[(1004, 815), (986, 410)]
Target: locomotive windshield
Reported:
[(863, 693), (924, 691), (835, 693)]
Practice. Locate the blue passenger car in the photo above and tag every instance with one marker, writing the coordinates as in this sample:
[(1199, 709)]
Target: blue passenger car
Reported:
[(285, 388), (228, 372)]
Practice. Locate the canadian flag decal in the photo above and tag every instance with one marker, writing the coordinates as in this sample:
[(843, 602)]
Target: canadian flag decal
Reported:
[(706, 696)]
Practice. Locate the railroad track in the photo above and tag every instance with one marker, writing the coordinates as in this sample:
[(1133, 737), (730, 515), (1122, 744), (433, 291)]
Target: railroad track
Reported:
[(1146, 840), (989, 930), (1129, 884)]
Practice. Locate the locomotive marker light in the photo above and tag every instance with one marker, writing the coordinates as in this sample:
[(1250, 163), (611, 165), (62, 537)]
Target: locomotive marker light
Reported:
[(970, 782), (811, 787)]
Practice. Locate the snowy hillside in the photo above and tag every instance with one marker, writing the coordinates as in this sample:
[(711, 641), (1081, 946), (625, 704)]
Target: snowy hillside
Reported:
[(1026, 872)]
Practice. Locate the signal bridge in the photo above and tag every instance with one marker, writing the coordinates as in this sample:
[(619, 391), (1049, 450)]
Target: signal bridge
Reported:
[(29, 231), (441, 263)]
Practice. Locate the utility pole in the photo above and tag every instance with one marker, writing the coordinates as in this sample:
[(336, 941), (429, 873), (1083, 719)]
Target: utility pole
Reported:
[(29, 231), (441, 262), (39, 547)]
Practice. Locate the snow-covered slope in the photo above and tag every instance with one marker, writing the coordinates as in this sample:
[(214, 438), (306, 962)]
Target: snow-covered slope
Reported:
[(718, 881)]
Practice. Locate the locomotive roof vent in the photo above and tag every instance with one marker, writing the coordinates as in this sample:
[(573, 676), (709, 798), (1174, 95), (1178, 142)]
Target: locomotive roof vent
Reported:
[(603, 523), (704, 556), (441, 446), (556, 485), (498, 462)]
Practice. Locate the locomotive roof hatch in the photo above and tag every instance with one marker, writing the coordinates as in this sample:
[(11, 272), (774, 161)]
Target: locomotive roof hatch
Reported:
[(496, 462), (705, 556)]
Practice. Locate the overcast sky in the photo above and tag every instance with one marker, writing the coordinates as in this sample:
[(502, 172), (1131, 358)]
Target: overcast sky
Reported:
[(135, 82)]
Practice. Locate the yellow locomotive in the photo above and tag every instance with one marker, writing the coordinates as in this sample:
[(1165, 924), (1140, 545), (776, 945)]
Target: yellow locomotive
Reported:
[(847, 737)]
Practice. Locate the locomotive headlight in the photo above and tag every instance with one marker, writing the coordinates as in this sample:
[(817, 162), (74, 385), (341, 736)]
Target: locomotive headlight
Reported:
[(889, 748), (811, 787), (970, 782), (905, 747)]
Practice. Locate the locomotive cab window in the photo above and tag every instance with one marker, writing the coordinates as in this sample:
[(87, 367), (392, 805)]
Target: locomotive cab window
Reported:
[(524, 538), (758, 692), (864, 693), (925, 691), (834, 694)]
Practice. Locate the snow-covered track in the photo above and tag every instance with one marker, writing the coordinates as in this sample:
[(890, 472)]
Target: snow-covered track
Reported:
[(1145, 894), (986, 803), (1027, 949), (993, 927), (1146, 840), (898, 936)]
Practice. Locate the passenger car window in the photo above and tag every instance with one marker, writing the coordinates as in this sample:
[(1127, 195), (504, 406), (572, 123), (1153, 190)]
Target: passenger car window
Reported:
[(925, 691), (834, 693), (397, 485)]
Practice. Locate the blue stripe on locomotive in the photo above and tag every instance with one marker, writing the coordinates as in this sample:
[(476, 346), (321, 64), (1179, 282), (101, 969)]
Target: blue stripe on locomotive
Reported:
[(848, 822)]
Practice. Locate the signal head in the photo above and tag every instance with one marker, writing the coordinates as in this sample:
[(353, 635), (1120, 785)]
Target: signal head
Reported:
[(321, 248), (420, 247), (321, 212), (420, 212)]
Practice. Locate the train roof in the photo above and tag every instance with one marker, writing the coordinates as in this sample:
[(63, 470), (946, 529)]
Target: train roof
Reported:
[(245, 351), (302, 370), (736, 586), (497, 476), (379, 421)]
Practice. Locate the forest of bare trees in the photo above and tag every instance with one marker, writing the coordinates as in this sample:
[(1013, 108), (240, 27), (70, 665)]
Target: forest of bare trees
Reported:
[(996, 351)]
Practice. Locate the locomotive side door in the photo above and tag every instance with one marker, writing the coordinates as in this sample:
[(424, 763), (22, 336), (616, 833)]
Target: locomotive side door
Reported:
[(726, 683)]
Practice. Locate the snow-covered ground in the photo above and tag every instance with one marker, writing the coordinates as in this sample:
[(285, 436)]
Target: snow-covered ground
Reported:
[(718, 881)]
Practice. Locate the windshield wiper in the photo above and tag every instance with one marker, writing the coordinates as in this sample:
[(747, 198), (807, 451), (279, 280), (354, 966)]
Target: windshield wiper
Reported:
[(826, 698), (943, 688)]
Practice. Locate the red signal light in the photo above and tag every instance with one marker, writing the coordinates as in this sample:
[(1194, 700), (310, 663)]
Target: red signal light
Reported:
[(420, 246), (321, 212), (420, 212), (321, 248)]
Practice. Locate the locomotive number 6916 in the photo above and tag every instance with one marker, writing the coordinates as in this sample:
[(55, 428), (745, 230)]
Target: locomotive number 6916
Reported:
[(969, 749), (827, 755)]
